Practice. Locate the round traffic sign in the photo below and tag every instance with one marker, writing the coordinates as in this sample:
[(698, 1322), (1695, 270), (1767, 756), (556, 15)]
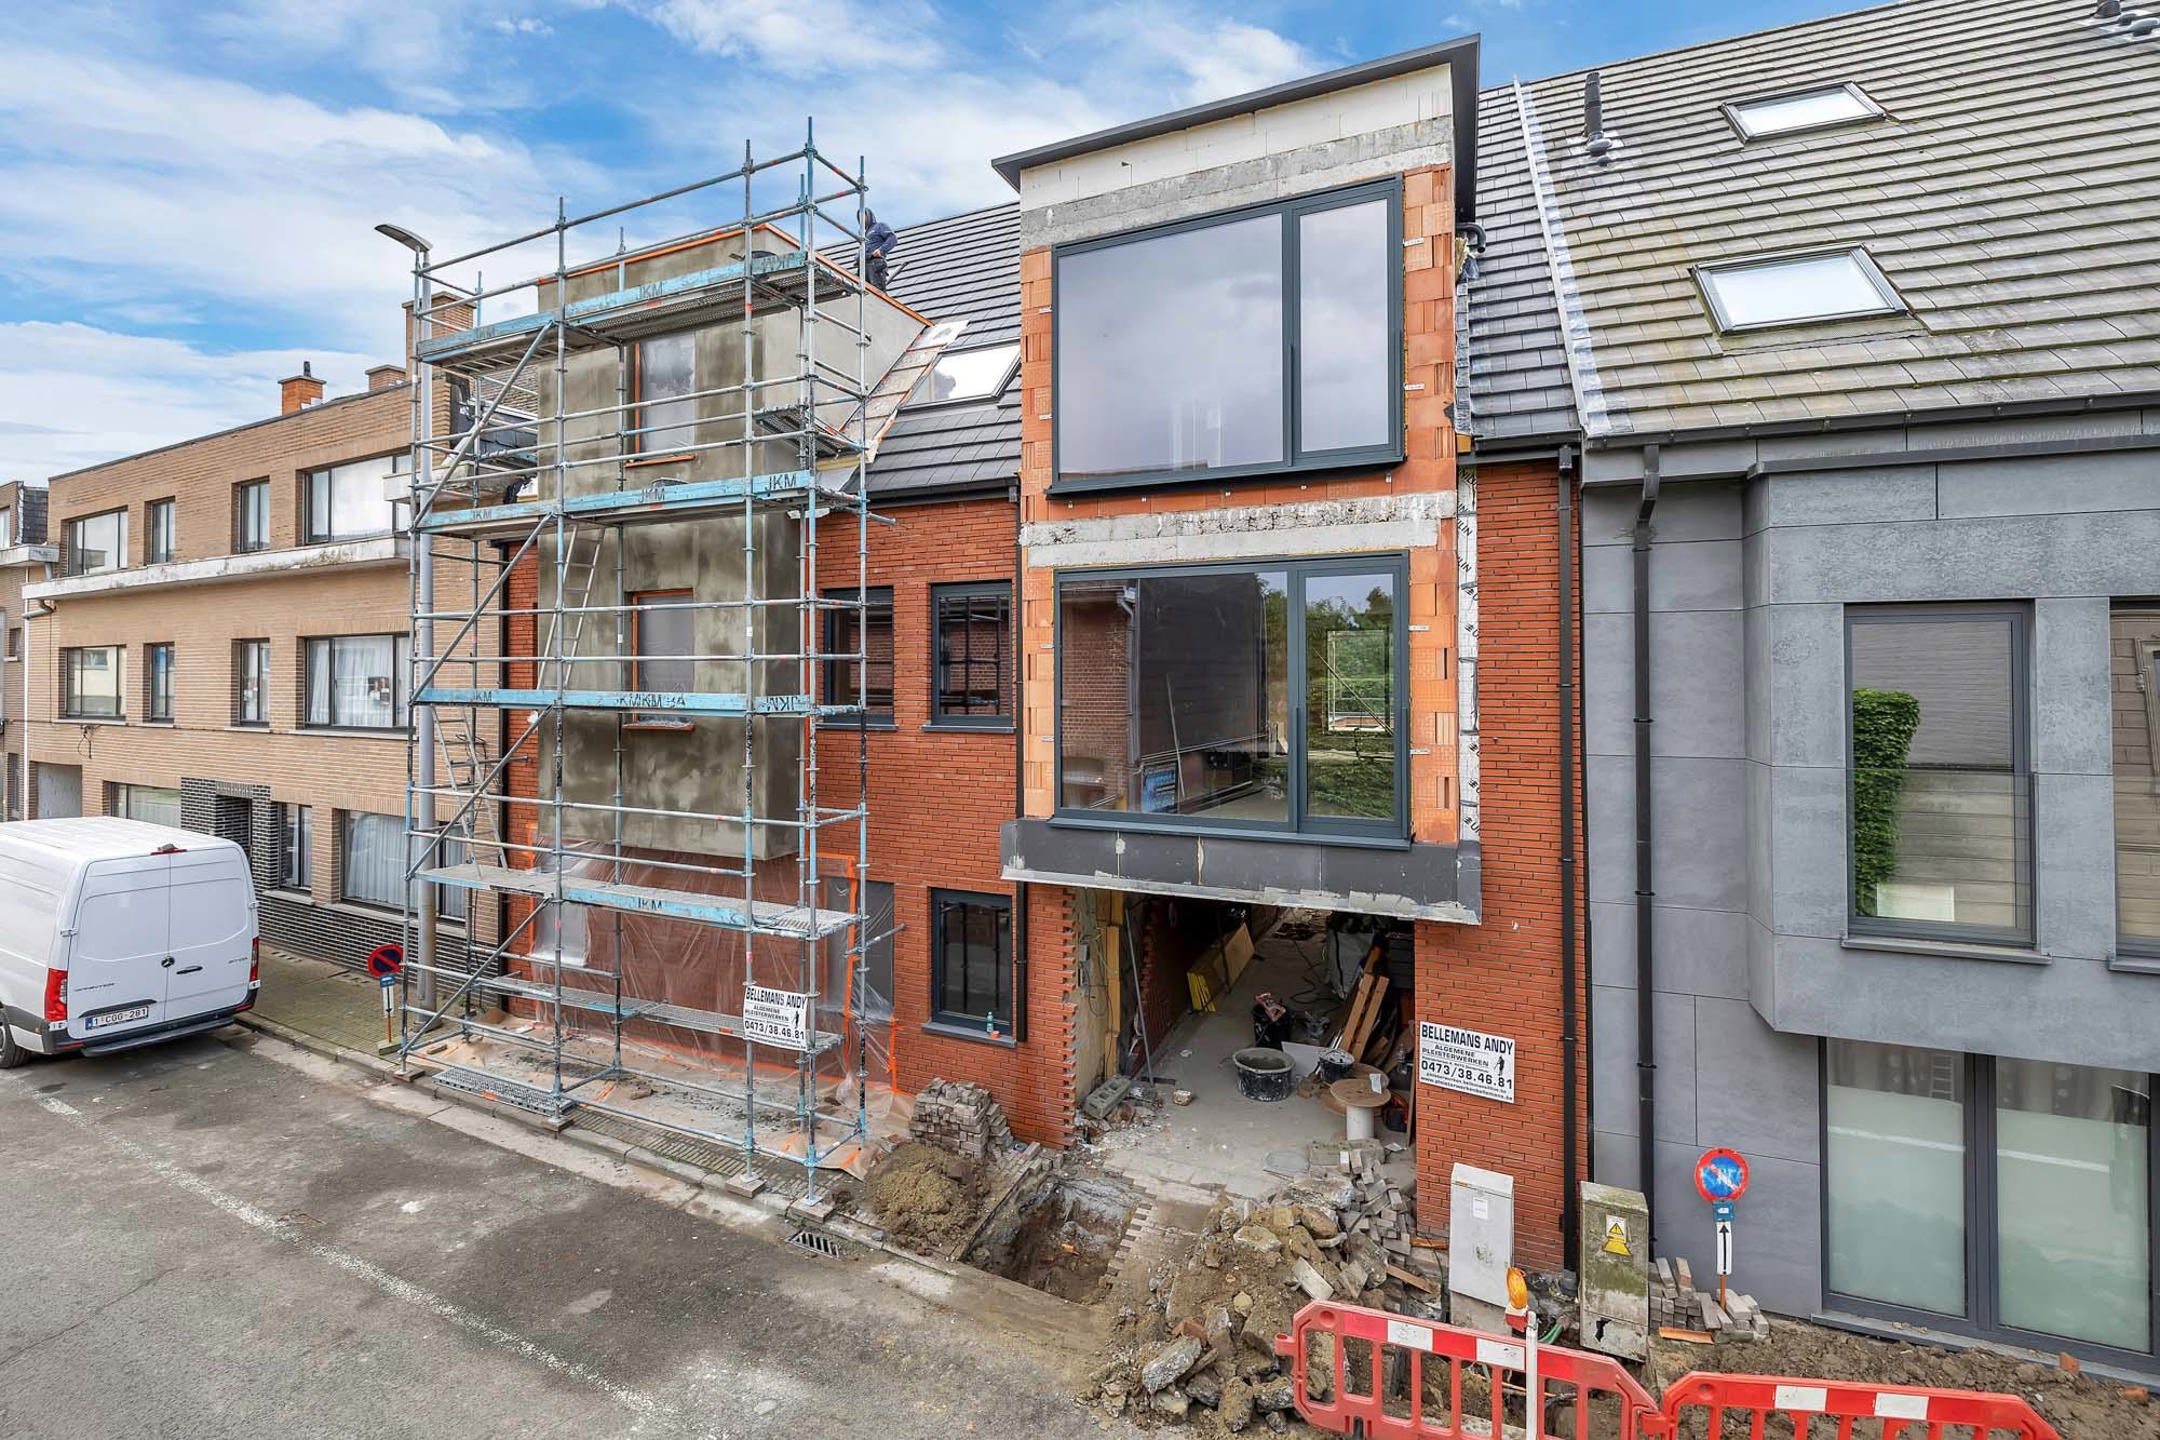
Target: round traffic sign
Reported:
[(385, 960), (1721, 1175)]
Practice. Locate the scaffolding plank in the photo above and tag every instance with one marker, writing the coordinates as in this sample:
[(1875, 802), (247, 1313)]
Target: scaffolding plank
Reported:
[(679, 302), (763, 917), (601, 1001), (713, 1022), (684, 702), (647, 504)]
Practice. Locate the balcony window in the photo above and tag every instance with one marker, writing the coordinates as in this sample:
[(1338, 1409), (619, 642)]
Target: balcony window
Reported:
[(1254, 342), (251, 682), (158, 542), (971, 962), (372, 859), (356, 682), (158, 682), (2135, 682), (296, 846), (251, 517), (665, 373), (1941, 794), (97, 542), (90, 683), (354, 501), (972, 655), (861, 640), (1264, 697)]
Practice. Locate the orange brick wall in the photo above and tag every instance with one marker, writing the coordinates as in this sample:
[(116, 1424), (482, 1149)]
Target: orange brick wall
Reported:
[(1503, 976)]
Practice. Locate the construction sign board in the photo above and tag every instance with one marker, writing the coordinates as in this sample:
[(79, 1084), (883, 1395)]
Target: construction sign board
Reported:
[(776, 1017), (1470, 1061)]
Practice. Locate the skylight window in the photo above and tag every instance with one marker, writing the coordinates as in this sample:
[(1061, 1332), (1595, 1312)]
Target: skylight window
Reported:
[(1801, 110), (1796, 289), (980, 374)]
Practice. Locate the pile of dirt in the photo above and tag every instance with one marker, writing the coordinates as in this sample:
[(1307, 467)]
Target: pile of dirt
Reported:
[(1199, 1348), (2079, 1406), (927, 1199)]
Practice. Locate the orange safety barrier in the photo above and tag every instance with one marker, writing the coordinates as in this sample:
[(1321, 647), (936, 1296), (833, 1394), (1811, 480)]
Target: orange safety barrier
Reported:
[(1905, 1412), (1367, 1372)]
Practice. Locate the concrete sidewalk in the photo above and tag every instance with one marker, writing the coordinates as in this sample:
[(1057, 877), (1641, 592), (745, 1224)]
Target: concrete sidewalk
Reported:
[(316, 1000)]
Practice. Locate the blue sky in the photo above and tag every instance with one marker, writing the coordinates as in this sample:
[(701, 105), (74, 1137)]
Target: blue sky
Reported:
[(187, 191)]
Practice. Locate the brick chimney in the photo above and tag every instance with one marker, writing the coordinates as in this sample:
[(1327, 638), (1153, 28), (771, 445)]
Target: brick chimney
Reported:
[(297, 392), (382, 377)]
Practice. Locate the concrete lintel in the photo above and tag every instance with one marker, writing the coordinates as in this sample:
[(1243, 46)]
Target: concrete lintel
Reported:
[(380, 550), (16, 556), (1247, 532)]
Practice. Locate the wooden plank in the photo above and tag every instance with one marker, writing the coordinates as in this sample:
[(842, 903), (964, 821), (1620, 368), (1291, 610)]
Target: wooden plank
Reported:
[(1691, 1337), (1372, 1014), (1237, 953), (1414, 1280), (1358, 999)]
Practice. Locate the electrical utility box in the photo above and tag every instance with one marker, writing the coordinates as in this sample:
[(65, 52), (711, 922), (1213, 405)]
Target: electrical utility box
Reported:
[(1481, 1246), (1615, 1271)]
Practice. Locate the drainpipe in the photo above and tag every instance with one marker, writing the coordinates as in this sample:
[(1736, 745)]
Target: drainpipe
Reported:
[(1020, 887), (1570, 1211), (1645, 888)]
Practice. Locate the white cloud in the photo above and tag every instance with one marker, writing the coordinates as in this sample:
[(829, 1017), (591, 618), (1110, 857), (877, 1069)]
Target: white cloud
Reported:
[(803, 37), (77, 395)]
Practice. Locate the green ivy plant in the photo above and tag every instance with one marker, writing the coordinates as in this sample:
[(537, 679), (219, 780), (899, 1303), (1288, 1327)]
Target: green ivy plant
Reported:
[(1883, 722)]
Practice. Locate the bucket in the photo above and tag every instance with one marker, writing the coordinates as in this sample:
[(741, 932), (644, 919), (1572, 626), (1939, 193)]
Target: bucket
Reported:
[(1264, 1074), (1335, 1065)]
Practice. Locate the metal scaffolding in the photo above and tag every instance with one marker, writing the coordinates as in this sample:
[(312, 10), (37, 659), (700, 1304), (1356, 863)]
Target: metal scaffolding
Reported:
[(521, 701)]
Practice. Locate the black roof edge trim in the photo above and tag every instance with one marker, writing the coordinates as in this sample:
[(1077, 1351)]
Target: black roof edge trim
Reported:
[(1460, 53), (1879, 420)]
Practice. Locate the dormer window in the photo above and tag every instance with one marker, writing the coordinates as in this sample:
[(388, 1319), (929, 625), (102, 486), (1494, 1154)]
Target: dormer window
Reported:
[(1798, 110), (1258, 341), (960, 375), (1796, 289)]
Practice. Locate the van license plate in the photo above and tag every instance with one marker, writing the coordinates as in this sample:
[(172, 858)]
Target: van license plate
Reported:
[(116, 1017)]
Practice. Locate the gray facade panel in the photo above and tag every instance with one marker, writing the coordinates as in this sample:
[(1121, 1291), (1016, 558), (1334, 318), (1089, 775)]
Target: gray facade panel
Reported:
[(2072, 714), (1699, 849), (1693, 654), (1755, 1087), (1612, 1016), (2057, 485), (2007, 558), (1699, 952), (1689, 575)]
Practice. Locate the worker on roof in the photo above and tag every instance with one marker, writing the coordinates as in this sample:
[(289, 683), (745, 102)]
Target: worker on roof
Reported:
[(879, 242)]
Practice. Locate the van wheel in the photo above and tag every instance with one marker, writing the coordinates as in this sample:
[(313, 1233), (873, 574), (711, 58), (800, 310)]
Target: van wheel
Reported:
[(12, 1055)]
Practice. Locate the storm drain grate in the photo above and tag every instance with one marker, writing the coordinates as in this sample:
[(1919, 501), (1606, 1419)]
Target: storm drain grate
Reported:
[(817, 1242)]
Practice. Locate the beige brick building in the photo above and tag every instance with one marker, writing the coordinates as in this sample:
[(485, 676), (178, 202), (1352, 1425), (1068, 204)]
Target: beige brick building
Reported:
[(219, 643), (24, 557)]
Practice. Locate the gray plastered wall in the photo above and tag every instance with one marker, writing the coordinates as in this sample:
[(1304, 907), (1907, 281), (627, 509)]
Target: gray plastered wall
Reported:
[(1756, 558)]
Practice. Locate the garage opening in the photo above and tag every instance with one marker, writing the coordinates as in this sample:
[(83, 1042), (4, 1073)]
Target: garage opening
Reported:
[(1240, 1044)]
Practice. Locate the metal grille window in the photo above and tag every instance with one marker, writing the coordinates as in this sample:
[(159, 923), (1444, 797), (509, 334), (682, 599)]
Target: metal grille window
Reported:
[(159, 542), (251, 682), (971, 961), (371, 859), (356, 682), (870, 678), (971, 640), (97, 542), (296, 846), (158, 681), (90, 682), (251, 517)]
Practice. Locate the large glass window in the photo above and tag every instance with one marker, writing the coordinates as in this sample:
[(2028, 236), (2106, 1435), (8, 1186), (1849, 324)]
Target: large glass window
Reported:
[(251, 682), (90, 682), (1941, 811), (156, 805), (251, 516), (666, 372), (972, 654), (2135, 683), (971, 961), (158, 682), (1254, 341), (372, 859), (356, 681), (861, 639), (1894, 1148), (347, 502), (1264, 697), (97, 542)]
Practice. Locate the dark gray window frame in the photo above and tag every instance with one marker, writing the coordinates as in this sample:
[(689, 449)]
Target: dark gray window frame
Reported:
[(169, 510), (971, 1026), (1295, 461), (400, 693), (2019, 613), (1731, 110), (2138, 952), (71, 692), (154, 712), (312, 531), (290, 856), (830, 671), (1892, 302), (241, 494), (1002, 718), (72, 526), (1299, 827), (241, 651), (1983, 1278)]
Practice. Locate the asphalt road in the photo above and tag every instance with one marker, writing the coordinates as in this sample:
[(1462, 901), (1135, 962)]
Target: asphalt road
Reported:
[(210, 1239)]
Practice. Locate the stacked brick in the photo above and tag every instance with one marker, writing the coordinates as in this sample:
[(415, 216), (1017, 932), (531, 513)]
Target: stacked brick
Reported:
[(962, 1118), (1675, 1303)]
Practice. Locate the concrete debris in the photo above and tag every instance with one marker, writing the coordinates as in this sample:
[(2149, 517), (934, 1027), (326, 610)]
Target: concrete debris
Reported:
[(963, 1118), (1170, 1363)]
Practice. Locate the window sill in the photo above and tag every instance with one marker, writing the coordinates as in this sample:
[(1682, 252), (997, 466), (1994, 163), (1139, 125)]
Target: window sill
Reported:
[(947, 727), (1066, 821), (91, 720), (669, 727), (644, 460), (1003, 1041), (1379, 458), (857, 725), (2131, 962), (159, 725), (290, 892), (1947, 949), (250, 727), (354, 732)]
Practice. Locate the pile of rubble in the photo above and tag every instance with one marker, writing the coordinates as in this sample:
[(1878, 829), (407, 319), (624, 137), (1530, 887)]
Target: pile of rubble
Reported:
[(1675, 1304), (1201, 1348), (961, 1118)]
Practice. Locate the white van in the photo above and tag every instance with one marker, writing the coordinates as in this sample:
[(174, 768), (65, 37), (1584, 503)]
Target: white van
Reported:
[(116, 933)]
